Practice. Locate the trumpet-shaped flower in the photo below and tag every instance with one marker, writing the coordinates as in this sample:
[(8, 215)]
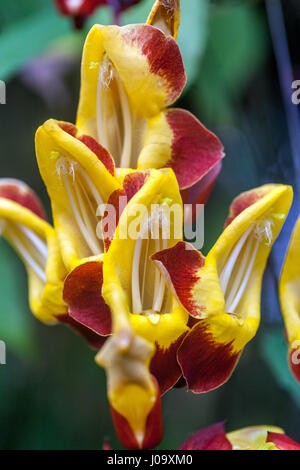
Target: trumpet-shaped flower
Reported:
[(79, 177), (133, 392), (200, 312), (289, 293), (23, 224), (252, 438), (130, 76), (222, 291)]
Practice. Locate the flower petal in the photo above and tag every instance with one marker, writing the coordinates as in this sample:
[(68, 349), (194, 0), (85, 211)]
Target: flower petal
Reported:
[(93, 339), (252, 437), (289, 287), (210, 438), (82, 293), (78, 183), (153, 428), (282, 442), (166, 16), (176, 139), (207, 355), (123, 282), (181, 265), (148, 63), (233, 271), (132, 183), (34, 240), (133, 393), (164, 365), (19, 192)]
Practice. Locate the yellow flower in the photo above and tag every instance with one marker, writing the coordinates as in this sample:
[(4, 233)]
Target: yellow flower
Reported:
[(23, 224)]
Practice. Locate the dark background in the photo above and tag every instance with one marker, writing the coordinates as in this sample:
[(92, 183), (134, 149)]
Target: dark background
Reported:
[(52, 394)]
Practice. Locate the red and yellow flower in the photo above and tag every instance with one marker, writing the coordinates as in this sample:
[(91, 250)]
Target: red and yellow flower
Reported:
[(198, 312), (252, 438), (289, 293), (130, 76), (23, 224)]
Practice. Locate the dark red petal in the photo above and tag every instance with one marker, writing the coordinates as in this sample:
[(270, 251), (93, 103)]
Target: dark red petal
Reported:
[(93, 339), (82, 293), (154, 427), (181, 265), (195, 150), (243, 201), (69, 128), (20, 193), (205, 363), (210, 438), (103, 155), (164, 366), (163, 56), (282, 441), (132, 183)]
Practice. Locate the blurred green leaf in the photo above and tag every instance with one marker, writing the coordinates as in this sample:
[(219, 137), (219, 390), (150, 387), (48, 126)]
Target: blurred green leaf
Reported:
[(12, 11), (16, 326), (274, 350), (25, 38), (236, 48)]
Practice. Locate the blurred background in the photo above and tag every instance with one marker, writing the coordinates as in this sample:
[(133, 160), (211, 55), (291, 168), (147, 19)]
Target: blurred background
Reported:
[(52, 394)]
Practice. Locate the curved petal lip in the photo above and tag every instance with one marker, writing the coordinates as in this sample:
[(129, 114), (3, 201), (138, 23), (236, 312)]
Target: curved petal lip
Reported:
[(19, 192), (205, 363), (210, 438), (82, 293)]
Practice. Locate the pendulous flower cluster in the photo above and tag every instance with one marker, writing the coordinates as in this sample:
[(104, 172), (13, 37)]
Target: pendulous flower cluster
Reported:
[(159, 313)]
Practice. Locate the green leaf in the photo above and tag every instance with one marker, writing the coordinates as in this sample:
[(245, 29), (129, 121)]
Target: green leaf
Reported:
[(28, 37), (16, 323), (237, 46), (274, 350)]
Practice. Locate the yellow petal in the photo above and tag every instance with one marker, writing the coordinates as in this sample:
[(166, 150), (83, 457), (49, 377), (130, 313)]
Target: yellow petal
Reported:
[(36, 243), (253, 438), (77, 183), (136, 285)]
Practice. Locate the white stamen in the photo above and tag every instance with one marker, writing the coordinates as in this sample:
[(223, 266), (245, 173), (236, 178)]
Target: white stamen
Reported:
[(135, 278), (36, 241), (85, 233), (230, 262), (127, 123), (27, 256), (245, 279)]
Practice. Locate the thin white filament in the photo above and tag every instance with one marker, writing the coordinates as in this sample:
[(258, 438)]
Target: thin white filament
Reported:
[(23, 251), (92, 187), (245, 279), (93, 241), (230, 262), (157, 304), (135, 278), (127, 122), (242, 267), (85, 233), (35, 240)]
